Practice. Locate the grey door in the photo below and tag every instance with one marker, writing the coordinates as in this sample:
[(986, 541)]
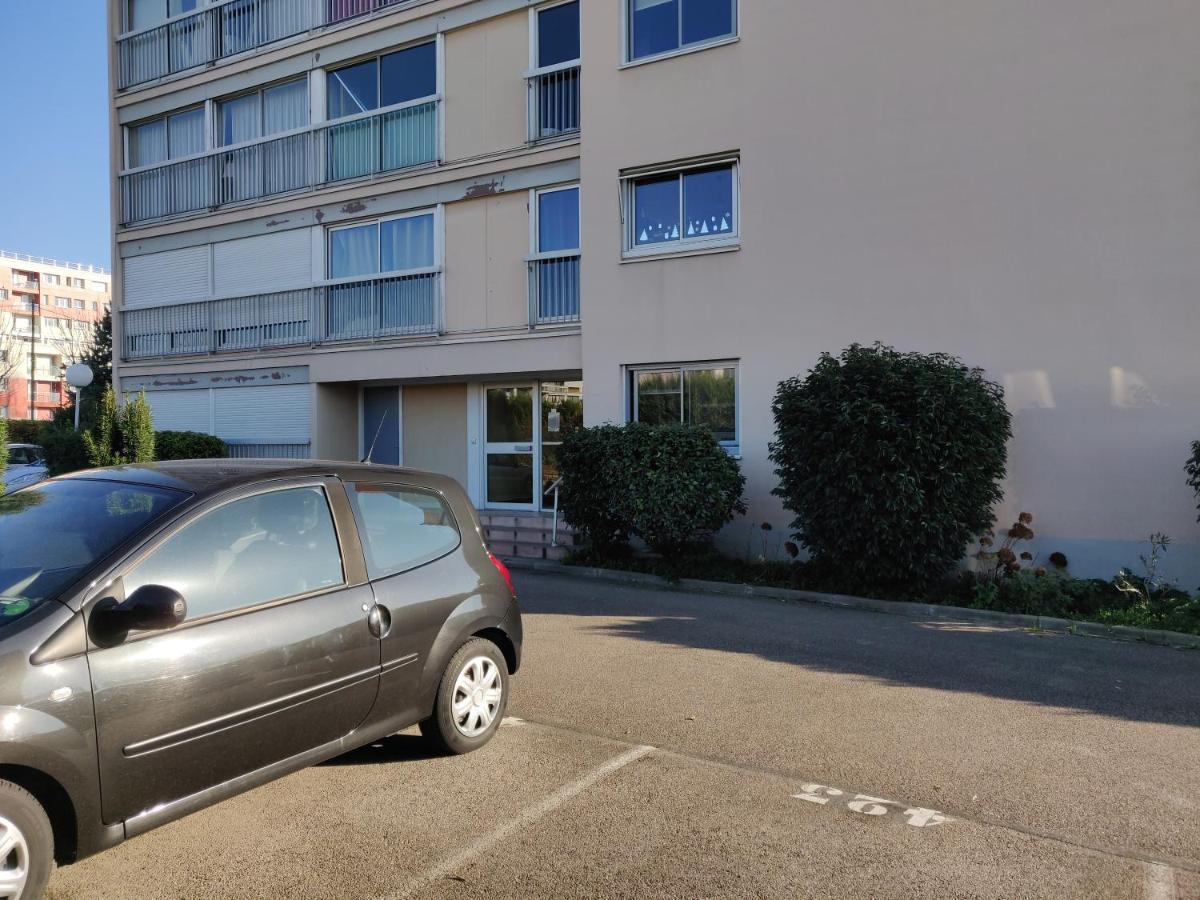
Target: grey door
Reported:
[(381, 425), (276, 655)]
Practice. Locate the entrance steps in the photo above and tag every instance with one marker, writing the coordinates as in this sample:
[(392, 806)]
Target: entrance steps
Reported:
[(525, 535)]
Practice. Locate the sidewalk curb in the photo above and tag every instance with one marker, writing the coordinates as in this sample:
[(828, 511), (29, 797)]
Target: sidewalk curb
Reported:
[(1171, 639)]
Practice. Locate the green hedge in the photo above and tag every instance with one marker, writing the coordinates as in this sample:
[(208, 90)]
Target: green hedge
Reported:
[(188, 445), (24, 431), (3, 451), (669, 485), (891, 462)]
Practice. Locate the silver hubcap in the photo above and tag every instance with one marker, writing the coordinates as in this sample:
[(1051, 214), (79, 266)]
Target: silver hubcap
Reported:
[(477, 694), (14, 861)]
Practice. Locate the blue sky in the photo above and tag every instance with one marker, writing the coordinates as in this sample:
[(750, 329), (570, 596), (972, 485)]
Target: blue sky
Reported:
[(54, 156)]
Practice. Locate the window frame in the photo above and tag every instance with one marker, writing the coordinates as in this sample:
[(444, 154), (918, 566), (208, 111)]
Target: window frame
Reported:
[(734, 447), (535, 194), (218, 130), (438, 246), (535, 41), (628, 60), (630, 250), (350, 571), (351, 488), (127, 134), (437, 96)]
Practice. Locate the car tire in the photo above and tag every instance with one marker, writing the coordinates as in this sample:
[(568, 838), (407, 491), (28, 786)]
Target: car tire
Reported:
[(467, 712), (33, 851)]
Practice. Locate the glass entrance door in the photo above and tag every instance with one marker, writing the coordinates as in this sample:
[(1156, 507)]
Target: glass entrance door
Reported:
[(512, 462)]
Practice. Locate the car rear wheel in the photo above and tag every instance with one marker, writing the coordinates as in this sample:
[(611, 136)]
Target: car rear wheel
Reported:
[(471, 698), (26, 844)]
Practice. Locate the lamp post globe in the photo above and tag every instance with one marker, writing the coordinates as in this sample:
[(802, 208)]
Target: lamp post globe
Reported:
[(79, 376)]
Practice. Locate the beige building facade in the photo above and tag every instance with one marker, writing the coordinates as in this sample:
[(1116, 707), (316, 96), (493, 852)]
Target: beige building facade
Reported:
[(421, 227)]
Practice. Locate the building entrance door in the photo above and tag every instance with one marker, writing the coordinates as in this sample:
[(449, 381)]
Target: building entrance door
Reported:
[(511, 447)]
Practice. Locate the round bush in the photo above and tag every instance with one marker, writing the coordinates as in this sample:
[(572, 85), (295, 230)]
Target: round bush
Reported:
[(667, 484), (891, 462), (188, 445)]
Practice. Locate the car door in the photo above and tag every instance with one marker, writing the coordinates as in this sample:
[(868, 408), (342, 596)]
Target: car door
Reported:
[(275, 656)]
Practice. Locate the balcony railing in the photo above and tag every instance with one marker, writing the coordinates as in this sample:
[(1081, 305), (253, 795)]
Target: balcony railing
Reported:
[(554, 289), (24, 284), (554, 103), (208, 35), (366, 310), (340, 10), (398, 138)]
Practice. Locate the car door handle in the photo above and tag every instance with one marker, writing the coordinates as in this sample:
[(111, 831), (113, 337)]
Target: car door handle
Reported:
[(379, 620)]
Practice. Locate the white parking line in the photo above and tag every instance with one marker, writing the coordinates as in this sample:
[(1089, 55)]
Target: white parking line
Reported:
[(482, 845), (1160, 882)]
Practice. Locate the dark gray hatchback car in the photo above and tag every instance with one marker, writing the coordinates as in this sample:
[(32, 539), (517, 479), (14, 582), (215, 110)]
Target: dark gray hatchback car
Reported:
[(174, 634)]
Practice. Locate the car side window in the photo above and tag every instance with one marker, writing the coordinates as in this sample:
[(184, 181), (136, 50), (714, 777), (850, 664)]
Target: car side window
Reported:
[(266, 547), (401, 527)]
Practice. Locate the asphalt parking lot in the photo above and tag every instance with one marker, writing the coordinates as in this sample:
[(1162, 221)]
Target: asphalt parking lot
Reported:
[(673, 745)]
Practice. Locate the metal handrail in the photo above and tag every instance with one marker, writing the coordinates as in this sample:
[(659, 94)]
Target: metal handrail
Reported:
[(554, 487)]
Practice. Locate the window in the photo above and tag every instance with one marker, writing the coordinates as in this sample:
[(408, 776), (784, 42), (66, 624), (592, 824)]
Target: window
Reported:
[(388, 80), (389, 245), (95, 306), (77, 283), (171, 137), (555, 257), (98, 286), (77, 304), (3, 293), (248, 552), (146, 13), (402, 528), (558, 34), (682, 210), (663, 26), (62, 302), (52, 279), (554, 77), (272, 110), (695, 394)]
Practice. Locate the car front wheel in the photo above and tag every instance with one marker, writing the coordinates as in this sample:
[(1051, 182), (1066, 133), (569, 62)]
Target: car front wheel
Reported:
[(471, 698), (26, 844)]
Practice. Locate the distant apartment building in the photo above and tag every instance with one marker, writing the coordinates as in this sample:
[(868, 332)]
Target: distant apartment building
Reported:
[(48, 311), (449, 230)]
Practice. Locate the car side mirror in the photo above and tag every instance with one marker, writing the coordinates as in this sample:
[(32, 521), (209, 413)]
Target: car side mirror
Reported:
[(152, 607)]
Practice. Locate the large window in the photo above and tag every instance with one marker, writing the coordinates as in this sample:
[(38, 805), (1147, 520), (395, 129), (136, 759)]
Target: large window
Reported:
[(267, 547), (703, 394), (664, 26), (389, 245), (145, 13), (170, 137), (402, 528), (555, 71), (388, 80), (682, 209), (272, 110)]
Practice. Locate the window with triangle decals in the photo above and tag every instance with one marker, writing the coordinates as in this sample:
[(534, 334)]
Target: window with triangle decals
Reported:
[(691, 205)]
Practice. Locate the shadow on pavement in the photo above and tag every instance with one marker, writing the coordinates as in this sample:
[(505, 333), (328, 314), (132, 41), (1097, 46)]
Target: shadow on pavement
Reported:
[(396, 748), (1137, 682)]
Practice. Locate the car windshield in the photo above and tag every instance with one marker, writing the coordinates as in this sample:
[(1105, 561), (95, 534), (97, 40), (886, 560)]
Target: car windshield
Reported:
[(23, 456), (53, 532)]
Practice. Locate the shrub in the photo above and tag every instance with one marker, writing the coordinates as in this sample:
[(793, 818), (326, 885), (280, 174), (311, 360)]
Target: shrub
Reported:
[(24, 431), (667, 484), (891, 462), (63, 449), (680, 485), (595, 466), (122, 434), (1193, 472), (3, 451), (188, 445)]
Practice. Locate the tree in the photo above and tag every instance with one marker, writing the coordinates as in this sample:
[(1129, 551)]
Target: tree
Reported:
[(11, 349), (122, 433), (3, 451), (98, 355)]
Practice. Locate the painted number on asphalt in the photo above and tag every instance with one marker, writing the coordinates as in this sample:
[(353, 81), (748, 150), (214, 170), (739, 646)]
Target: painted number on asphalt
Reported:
[(916, 816)]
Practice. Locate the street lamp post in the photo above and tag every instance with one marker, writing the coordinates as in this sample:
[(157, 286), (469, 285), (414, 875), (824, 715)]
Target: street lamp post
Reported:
[(79, 376)]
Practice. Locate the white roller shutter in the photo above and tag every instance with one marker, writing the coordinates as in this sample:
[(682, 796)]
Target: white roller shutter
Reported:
[(180, 410), (174, 276), (264, 414), (263, 264)]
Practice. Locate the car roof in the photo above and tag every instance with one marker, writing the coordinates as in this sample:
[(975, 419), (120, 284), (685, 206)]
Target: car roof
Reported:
[(24, 446), (205, 477)]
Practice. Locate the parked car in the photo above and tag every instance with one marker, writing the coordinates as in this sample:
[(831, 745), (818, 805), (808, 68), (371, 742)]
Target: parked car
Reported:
[(177, 633), (26, 466)]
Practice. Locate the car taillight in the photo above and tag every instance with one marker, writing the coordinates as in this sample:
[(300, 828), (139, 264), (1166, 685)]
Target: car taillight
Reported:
[(504, 573)]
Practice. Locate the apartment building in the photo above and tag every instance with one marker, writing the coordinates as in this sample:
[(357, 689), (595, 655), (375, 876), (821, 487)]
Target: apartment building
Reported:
[(48, 311), (428, 229)]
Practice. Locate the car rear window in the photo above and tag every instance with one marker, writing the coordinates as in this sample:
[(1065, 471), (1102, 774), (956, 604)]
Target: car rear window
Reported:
[(401, 527)]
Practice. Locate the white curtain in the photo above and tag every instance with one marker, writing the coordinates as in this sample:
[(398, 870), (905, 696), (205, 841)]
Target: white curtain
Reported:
[(240, 119), (407, 243), (285, 107), (147, 144), (354, 251), (185, 133), (144, 13)]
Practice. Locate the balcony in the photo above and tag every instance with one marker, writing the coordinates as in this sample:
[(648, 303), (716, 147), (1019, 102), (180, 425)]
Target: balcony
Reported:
[(398, 138), (24, 283), (208, 35), (374, 309), (554, 289), (554, 110)]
